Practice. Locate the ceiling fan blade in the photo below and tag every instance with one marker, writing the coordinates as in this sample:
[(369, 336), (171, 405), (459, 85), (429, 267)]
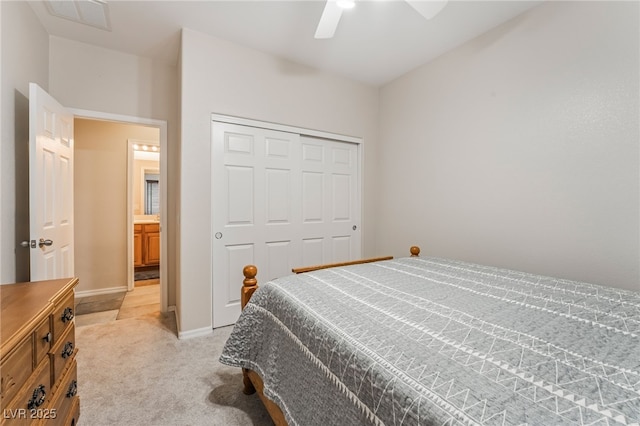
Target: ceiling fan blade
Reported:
[(329, 20), (427, 8)]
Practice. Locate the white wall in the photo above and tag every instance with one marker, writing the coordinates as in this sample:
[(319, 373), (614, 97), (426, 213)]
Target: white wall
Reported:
[(25, 58), (521, 148), (96, 79), (221, 77)]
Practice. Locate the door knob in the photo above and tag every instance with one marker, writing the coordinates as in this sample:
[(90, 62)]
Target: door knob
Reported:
[(44, 242)]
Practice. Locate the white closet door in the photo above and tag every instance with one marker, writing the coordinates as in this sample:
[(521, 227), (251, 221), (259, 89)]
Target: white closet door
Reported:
[(330, 201), (279, 201)]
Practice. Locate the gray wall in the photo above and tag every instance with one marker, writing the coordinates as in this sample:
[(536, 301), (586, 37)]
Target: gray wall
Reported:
[(521, 148)]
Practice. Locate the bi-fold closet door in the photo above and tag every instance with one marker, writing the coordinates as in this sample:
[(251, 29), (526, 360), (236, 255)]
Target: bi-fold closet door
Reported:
[(280, 200)]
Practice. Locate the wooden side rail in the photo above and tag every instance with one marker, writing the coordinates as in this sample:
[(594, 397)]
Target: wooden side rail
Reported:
[(335, 265), (250, 283)]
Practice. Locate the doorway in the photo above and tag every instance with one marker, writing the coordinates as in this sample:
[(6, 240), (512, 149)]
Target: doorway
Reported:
[(143, 195), (104, 211)]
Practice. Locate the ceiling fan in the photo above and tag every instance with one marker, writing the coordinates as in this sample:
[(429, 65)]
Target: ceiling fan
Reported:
[(333, 11)]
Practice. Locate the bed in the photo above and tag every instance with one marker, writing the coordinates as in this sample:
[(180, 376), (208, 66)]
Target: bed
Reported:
[(431, 341)]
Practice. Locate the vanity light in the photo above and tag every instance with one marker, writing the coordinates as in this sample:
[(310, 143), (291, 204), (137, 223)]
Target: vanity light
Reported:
[(137, 147)]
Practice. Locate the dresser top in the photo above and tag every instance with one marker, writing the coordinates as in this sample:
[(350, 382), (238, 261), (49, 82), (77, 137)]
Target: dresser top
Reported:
[(24, 305)]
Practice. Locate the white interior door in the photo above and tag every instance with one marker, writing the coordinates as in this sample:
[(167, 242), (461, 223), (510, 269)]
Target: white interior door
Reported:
[(50, 187), (255, 194), (279, 201), (330, 201)]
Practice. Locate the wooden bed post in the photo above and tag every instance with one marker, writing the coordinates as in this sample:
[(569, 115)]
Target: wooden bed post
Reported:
[(249, 286), (415, 251)]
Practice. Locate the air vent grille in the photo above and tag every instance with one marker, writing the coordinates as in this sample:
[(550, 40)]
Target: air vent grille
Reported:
[(94, 13)]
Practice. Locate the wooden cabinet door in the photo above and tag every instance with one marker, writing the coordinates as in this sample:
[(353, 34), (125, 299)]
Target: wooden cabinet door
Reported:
[(152, 252), (137, 249)]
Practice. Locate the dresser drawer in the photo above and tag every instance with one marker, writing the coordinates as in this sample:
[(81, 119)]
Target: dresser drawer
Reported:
[(62, 355), (74, 414), (42, 338), (65, 395), (32, 402), (62, 317), (15, 370)]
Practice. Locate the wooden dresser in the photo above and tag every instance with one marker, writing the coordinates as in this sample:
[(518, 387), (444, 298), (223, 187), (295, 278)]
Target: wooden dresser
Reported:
[(38, 369)]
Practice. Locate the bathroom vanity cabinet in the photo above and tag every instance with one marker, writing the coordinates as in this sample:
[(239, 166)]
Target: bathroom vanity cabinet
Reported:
[(146, 244)]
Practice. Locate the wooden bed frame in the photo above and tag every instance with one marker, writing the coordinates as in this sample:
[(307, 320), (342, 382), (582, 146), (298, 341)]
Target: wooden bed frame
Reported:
[(252, 381)]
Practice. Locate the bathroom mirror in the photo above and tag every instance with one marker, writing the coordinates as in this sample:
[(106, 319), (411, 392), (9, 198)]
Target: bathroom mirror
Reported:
[(146, 180)]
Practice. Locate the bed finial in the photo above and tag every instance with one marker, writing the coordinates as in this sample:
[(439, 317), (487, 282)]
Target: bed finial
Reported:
[(249, 284), (415, 251)]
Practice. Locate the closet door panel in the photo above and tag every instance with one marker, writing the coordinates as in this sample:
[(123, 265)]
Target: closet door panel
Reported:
[(280, 200)]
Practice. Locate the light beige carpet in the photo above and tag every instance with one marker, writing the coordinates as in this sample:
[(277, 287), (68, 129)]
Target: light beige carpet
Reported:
[(136, 372)]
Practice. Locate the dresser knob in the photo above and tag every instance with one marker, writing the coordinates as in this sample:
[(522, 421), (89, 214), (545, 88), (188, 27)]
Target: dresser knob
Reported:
[(67, 351), (73, 389), (38, 398), (67, 315), (48, 337)]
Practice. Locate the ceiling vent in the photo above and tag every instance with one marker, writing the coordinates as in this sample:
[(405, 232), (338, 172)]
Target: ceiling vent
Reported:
[(94, 13)]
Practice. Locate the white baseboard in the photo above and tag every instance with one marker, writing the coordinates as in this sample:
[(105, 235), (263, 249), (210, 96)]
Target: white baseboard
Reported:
[(189, 334), (109, 290), (198, 332)]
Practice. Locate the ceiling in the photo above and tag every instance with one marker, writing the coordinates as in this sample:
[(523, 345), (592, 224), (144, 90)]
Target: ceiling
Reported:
[(375, 42)]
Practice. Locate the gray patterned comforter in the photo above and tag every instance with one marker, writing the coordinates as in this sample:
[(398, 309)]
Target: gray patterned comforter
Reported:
[(428, 341)]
